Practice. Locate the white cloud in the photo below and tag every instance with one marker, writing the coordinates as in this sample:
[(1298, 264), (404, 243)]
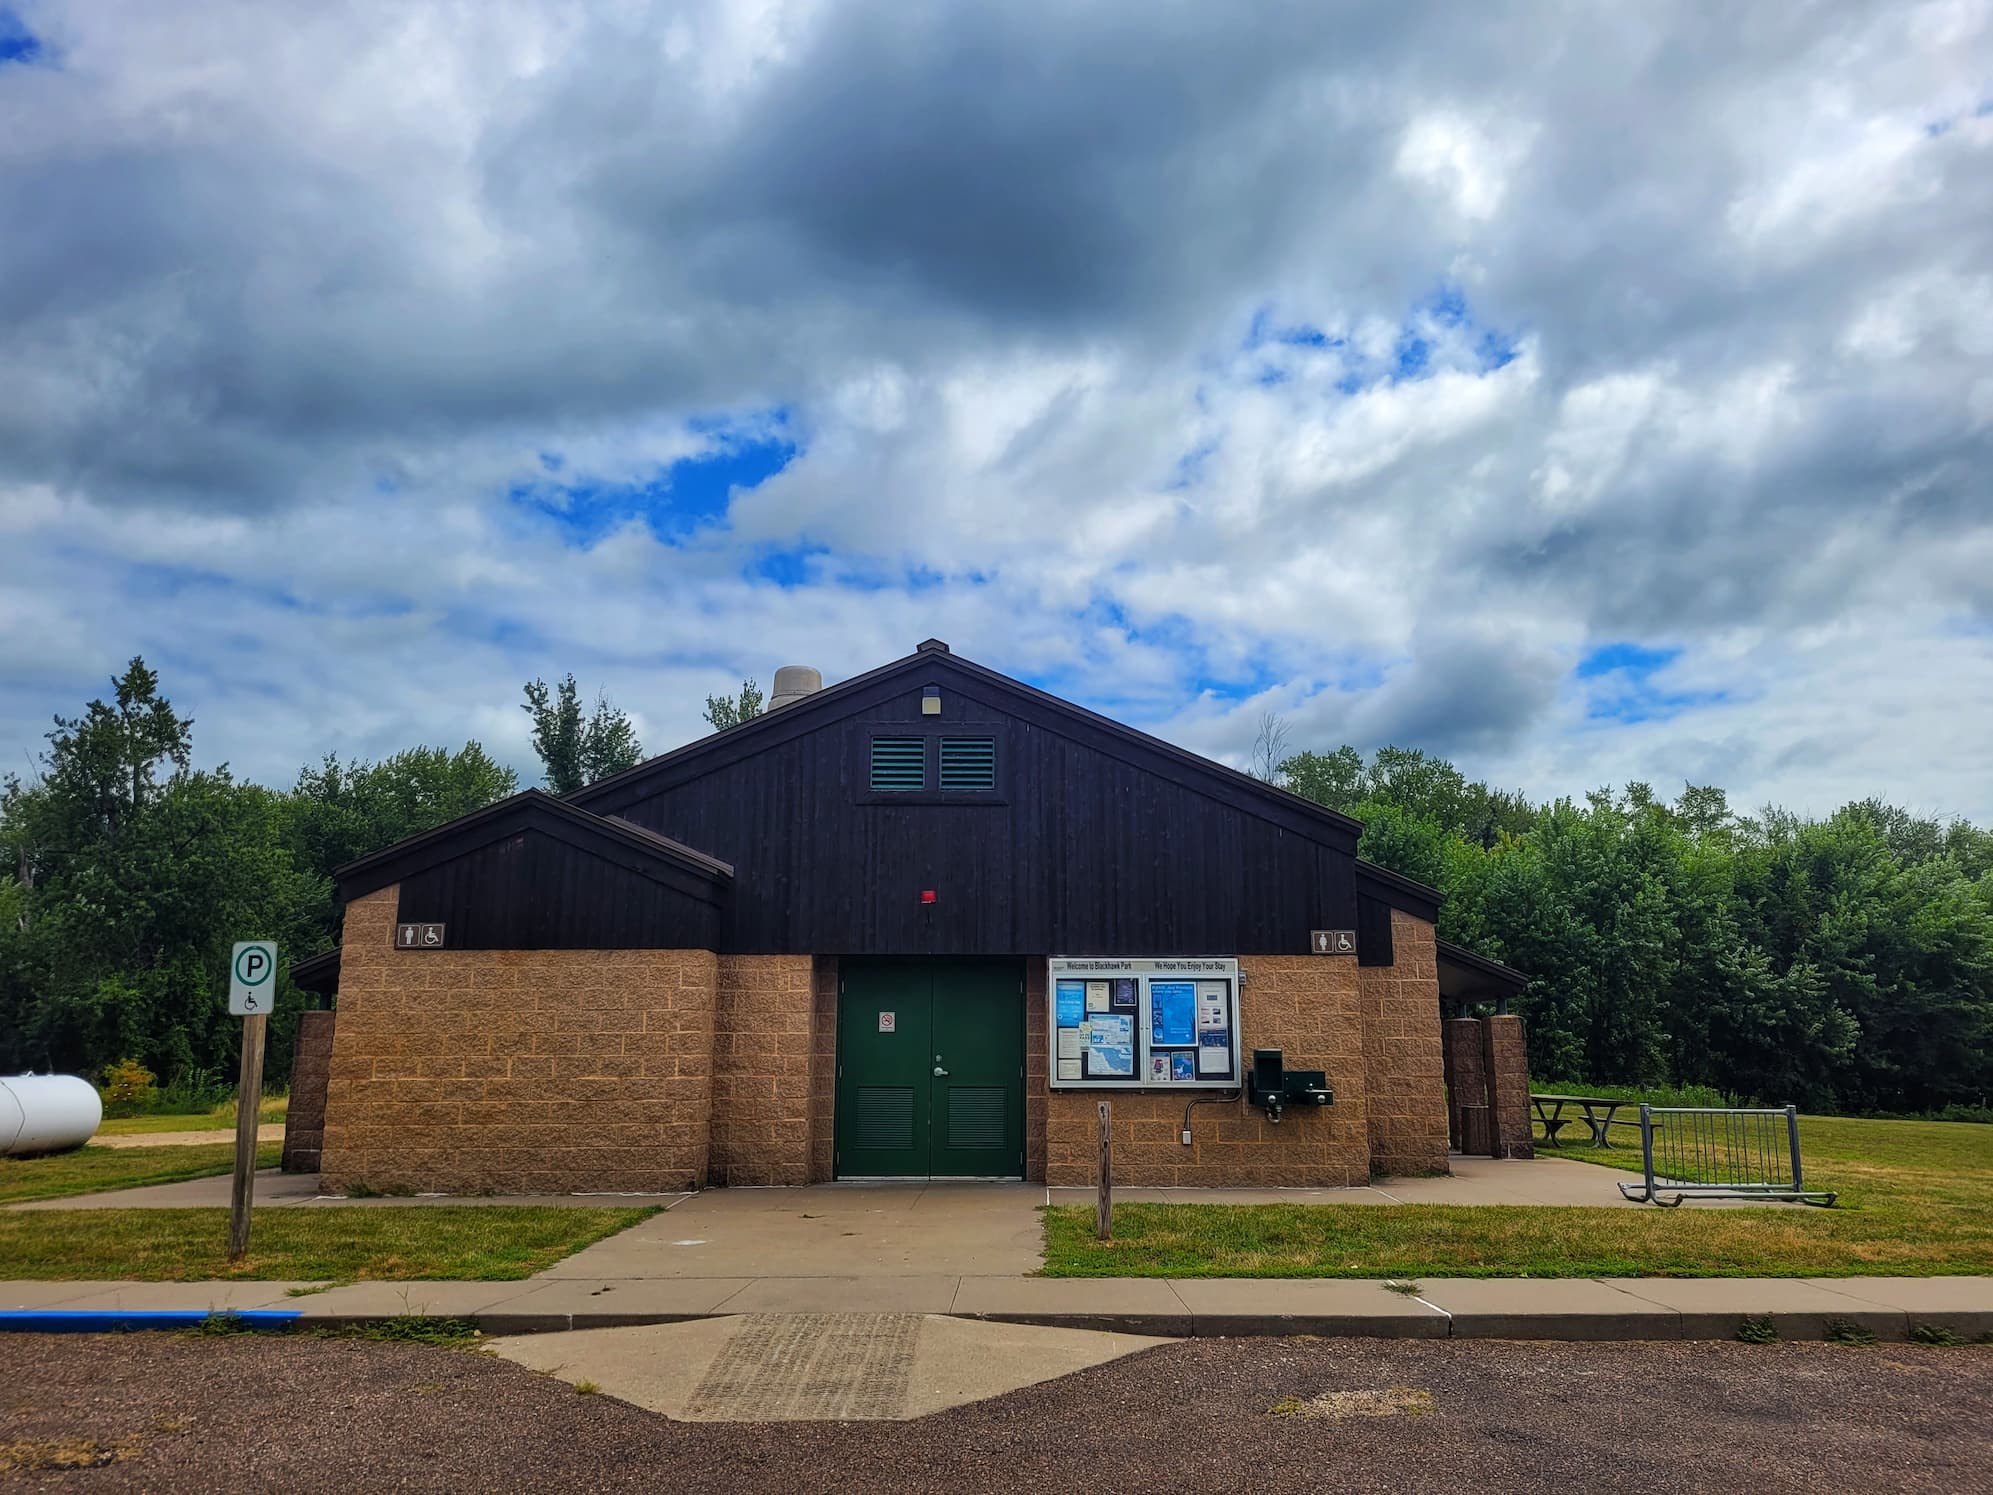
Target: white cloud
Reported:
[(1369, 370)]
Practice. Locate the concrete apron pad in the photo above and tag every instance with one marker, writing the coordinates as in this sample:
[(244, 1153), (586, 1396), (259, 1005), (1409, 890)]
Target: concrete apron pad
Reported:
[(831, 1231), (836, 1367)]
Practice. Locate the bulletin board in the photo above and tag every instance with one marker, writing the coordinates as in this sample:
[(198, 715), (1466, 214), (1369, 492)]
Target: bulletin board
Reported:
[(1161, 1024)]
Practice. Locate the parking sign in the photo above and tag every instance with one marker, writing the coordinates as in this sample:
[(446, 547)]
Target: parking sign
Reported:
[(252, 977)]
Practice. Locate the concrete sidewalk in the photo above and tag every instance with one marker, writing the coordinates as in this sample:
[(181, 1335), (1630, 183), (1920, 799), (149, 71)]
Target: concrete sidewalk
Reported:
[(943, 1203), (1488, 1308)]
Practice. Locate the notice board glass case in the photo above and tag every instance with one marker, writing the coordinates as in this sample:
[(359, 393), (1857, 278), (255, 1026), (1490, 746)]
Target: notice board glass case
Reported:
[(1168, 1023)]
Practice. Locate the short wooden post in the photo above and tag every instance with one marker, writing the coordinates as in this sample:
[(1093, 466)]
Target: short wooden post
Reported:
[(248, 1110), (1103, 1219)]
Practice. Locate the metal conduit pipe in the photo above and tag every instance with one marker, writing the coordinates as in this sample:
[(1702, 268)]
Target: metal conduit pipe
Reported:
[(1222, 1098)]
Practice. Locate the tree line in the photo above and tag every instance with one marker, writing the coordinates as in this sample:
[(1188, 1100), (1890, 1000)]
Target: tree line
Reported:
[(1839, 964), (126, 873)]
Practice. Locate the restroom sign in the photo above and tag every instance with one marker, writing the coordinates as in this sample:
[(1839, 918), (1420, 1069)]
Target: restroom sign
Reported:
[(418, 936), (1333, 941), (252, 977)]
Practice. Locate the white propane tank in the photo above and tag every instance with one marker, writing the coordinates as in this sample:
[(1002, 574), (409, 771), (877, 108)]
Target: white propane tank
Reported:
[(46, 1113)]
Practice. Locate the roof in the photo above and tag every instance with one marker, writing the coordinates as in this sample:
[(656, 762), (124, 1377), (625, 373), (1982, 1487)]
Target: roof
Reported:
[(1467, 977), (1399, 891), (640, 850), (317, 973), (847, 696)]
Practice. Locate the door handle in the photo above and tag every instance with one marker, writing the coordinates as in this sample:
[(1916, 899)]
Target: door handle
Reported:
[(939, 1070)]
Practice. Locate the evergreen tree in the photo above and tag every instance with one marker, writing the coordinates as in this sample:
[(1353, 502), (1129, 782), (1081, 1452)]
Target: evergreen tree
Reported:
[(576, 750)]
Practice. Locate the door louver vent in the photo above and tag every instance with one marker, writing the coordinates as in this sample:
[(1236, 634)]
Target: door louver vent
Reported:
[(885, 1118), (975, 1116), (968, 763), (899, 763)]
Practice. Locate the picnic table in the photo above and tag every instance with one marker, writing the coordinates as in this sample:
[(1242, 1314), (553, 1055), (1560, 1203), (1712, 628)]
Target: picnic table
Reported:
[(1598, 1115)]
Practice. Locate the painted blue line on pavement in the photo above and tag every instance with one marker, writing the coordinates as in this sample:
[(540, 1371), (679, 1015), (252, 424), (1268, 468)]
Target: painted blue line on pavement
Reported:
[(106, 1320)]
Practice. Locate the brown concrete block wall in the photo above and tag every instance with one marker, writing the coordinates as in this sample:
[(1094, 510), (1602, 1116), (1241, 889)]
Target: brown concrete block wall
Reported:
[(764, 1053), (823, 1069), (1467, 1078), (304, 1117), (540, 1071), (1507, 1061), (1405, 1098), (1308, 1006)]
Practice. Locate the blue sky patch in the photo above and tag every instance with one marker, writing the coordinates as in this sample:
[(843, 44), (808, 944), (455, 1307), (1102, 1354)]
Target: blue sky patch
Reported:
[(1624, 688), (788, 566), (17, 43), (691, 494)]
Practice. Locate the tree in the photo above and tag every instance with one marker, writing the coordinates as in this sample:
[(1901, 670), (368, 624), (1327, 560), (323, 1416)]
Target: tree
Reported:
[(576, 751), (730, 711), (1269, 750), (338, 812), (135, 874)]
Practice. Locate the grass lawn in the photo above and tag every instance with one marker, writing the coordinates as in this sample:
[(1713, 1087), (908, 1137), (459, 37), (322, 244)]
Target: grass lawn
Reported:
[(220, 1119), (90, 1169), (482, 1243), (1916, 1200)]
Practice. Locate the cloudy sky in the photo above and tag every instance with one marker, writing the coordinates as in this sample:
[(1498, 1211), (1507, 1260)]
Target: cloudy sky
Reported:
[(1584, 392)]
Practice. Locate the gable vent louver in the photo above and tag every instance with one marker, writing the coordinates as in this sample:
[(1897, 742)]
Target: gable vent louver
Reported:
[(968, 763), (899, 763)]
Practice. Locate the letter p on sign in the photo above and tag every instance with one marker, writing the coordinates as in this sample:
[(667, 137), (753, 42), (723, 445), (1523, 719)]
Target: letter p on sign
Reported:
[(252, 977)]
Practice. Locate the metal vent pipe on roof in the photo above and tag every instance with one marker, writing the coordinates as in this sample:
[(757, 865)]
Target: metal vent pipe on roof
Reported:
[(792, 683)]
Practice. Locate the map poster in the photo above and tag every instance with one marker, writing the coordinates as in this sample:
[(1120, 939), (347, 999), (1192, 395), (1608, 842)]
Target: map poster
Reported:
[(1071, 1003), (1110, 1046), (1172, 1014)]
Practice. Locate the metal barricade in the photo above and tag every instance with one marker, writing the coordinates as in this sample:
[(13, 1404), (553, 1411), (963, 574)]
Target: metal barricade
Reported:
[(1698, 1152)]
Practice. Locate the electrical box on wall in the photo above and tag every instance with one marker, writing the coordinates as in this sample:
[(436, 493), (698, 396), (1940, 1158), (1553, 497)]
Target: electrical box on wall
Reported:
[(1140, 1024)]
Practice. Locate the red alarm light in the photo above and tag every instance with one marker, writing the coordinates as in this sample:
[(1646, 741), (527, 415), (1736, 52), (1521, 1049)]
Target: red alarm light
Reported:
[(927, 895)]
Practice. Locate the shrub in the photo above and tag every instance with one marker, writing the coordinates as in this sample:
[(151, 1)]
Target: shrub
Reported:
[(194, 1092), (128, 1088)]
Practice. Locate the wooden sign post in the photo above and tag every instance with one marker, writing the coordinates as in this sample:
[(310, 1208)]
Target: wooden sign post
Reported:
[(252, 991), (1103, 1220), (248, 1111)]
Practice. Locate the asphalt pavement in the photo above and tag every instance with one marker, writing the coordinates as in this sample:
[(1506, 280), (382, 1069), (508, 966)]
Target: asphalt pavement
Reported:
[(166, 1412)]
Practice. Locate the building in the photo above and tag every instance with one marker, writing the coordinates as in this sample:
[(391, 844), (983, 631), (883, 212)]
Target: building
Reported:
[(914, 924)]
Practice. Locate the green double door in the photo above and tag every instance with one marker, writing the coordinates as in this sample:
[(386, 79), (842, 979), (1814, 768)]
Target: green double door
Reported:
[(930, 1070)]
